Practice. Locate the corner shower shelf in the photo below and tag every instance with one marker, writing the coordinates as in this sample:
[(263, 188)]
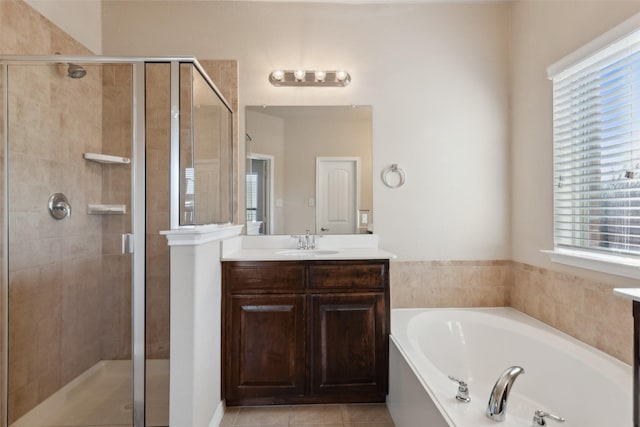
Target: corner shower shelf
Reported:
[(106, 209), (106, 159)]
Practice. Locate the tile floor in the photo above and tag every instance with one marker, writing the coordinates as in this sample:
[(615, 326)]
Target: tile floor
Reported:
[(103, 398), (351, 415)]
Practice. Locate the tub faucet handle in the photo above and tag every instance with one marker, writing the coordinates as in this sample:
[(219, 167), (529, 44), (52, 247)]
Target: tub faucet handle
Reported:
[(539, 418), (463, 390)]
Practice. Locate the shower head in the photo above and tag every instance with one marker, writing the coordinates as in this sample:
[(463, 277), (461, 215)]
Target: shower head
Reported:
[(76, 71)]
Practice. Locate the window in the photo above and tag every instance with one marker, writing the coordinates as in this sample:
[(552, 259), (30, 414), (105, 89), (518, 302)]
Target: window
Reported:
[(252, 196), (596, 150)]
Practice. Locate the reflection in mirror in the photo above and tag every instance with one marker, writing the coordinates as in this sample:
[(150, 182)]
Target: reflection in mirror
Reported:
[(309, 168)]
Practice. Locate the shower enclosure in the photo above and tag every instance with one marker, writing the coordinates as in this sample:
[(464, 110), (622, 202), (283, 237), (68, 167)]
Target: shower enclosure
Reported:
[(100, 154)]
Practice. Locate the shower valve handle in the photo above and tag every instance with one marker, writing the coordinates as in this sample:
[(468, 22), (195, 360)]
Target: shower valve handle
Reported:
[(59, 206)]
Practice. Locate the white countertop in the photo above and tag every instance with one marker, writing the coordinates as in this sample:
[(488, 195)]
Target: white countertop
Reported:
[(629, 293), (277, 255), (275, 248)]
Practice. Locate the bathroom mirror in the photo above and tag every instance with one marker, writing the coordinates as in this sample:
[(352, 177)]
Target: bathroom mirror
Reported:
[(308, 168)]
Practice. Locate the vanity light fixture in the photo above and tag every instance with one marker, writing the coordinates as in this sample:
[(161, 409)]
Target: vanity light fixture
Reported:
[(339, 78), (300, 75), (277, 75)]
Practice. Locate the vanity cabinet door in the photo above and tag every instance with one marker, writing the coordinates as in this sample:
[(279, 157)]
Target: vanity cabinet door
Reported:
[(349, 343), (265, 344)]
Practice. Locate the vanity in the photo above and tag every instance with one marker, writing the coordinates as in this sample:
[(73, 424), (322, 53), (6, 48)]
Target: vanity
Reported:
[(304, 326)]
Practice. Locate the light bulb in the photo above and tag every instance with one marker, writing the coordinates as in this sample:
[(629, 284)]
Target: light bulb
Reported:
[(299, 75), (341, 75), (278, 75), (320, 76)]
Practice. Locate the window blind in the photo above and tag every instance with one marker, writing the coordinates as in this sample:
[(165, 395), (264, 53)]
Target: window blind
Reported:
[(252, 197), (596, 148)]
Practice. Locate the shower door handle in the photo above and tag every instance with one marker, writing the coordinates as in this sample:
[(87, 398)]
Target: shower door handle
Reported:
[(127, 243)]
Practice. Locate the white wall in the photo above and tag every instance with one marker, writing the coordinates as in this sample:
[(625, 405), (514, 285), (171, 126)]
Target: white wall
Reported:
[(81, 19), (544, 32), (435, 74)]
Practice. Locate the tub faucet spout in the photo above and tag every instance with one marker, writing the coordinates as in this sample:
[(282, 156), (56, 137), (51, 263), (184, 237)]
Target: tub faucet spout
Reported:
[(497, 407)]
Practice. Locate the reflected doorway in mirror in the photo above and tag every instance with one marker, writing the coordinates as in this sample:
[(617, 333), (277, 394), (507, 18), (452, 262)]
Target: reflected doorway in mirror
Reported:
[(259, 193), (337, 194)]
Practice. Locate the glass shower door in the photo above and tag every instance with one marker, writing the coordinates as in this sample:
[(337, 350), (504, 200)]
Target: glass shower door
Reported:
[(70, 198)]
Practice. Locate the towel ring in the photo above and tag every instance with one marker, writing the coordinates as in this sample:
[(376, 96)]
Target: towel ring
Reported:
[(393, 169)]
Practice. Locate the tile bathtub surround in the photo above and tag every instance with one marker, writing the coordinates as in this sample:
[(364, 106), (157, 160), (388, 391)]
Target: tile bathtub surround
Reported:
[(351, 415), (449, 283), (583, 308)]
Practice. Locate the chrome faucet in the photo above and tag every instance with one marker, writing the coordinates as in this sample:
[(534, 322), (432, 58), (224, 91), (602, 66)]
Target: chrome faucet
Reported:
[(306, 241), (497, 407)]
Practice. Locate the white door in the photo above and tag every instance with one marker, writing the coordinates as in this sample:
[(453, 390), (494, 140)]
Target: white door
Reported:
[(337, 194)]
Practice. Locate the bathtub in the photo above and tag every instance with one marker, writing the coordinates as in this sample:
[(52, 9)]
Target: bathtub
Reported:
[(562, 376)]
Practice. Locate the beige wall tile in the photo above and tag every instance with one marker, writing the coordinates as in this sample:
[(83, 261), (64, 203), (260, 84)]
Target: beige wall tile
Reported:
[(583, 308), (52, 120), (449, 283)]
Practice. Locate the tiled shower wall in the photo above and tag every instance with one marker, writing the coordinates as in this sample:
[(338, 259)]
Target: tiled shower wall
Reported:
[(158, 142), (116, 189), (583, 308), (224, 74), (53, 289)]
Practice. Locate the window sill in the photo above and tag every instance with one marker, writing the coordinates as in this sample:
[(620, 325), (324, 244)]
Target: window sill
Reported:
[(610, 264)]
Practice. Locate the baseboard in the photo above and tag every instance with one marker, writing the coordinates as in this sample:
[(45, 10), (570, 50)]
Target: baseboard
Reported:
[(217, 415)]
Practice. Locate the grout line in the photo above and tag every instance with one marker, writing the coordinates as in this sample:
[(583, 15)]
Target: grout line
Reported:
[(342, 409)]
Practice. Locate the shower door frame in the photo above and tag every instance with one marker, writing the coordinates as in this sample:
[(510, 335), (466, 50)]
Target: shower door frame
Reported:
[(138, 218), (138, 204)]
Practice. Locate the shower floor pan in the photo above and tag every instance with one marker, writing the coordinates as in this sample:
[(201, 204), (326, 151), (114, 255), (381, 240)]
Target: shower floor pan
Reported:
[(101, 396)]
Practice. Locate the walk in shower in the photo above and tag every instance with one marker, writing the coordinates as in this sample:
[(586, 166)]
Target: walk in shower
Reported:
[(100, 154)]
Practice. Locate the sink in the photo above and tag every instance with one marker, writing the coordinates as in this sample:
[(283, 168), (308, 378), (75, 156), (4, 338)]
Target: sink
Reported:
[(306, 252)]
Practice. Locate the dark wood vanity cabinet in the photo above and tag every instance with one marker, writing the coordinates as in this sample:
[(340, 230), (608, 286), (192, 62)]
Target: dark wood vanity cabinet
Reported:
[(305, 331), (266, 344)]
